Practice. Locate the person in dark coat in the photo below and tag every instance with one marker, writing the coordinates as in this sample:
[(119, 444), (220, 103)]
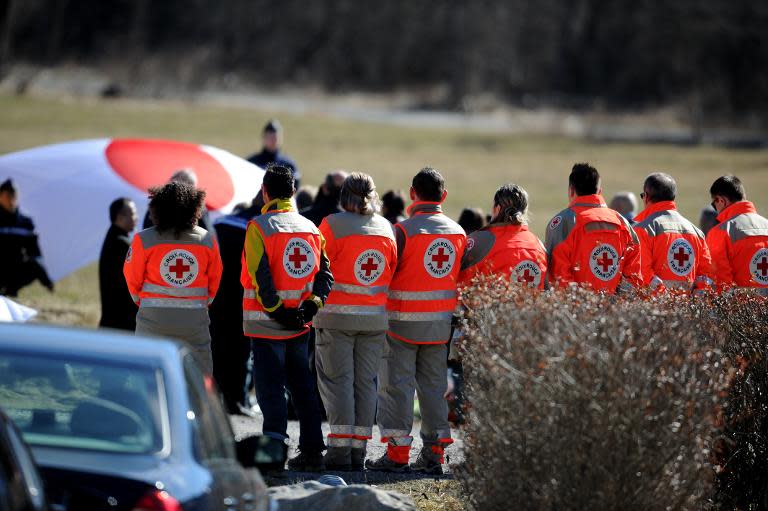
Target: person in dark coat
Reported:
[(117, 307), (327, 199), (272, 139), (21, 261), (188, 177), (231, 348), (393, 206)]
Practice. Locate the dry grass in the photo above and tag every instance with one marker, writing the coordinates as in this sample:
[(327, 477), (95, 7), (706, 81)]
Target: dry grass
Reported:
[(474, 164), (432, 495)]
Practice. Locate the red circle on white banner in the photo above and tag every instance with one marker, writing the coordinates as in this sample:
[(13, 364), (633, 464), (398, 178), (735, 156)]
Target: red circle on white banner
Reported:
[(147, 163)]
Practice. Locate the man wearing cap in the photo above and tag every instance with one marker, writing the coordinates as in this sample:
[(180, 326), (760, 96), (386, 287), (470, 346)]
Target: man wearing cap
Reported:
[(272, 139), (21, 261)]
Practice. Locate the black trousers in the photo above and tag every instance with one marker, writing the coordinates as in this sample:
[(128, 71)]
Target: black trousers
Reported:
[(230, 350)]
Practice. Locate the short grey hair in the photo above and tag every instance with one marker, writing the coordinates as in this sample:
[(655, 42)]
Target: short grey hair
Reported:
[(660, 187), (358, 194), (186, 176), (624, 202)]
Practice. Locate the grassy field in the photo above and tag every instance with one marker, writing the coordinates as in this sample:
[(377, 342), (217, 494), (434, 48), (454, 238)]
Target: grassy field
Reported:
[(474, 165)]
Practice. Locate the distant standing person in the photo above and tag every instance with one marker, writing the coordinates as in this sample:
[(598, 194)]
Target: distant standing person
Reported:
[(393, 206), (231, 348), (674, 254), (286, 279), (117, 307), (188, 177), (327, 198), (590, 244), (173, 270), (21, 261), (626, 204), (707, 219), (272, 140), (471, 219), (351, 328), (739, 243)]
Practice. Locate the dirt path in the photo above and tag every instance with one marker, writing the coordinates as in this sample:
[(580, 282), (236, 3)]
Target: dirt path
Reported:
[(246, 426)]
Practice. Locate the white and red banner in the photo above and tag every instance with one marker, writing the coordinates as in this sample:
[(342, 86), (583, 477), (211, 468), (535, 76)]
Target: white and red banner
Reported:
[(67, 188)]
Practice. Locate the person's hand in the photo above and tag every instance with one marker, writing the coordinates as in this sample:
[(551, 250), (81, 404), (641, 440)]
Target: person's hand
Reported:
[(307, 310), (289, 318)]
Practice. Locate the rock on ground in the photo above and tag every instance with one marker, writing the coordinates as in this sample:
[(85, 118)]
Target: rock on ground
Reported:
[(321, 497)]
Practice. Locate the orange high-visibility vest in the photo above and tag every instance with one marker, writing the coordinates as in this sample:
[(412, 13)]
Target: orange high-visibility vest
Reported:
[(588, 243), (674, 251), (363, 255), (739, 247), (292, 247), (422, 295), (183, 273), (505, 249)]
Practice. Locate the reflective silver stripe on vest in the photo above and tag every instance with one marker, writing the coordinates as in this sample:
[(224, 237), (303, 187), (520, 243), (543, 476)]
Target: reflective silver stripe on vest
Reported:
[(363, 431), (135, 297), (420, 316), (655, 282), (175, 291), (423, 295), (250, 294), (173, 303), (359, 290), (256, 316), (340, 442), (395, 433), (353, 309)]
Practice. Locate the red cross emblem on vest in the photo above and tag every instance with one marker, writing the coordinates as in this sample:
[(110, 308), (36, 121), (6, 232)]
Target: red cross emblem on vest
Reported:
[(680, 257), (298, 258), (439, 258), (179, 268), (369, 266)]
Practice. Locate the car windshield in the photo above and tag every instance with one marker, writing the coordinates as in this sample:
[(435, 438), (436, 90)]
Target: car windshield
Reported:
[(82, 404)]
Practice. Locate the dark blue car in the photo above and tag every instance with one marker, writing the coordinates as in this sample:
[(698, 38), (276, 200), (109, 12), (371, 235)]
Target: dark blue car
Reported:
[(118, 422)]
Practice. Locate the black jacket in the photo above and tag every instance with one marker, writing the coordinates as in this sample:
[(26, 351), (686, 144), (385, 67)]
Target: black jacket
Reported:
[(117, 307), (20, 256)]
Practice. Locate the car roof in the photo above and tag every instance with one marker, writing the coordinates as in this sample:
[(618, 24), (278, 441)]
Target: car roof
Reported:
[(101, 343)]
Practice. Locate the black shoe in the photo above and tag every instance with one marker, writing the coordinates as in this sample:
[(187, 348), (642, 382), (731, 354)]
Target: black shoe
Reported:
[(384, 464), (307, 462), (427, 462)]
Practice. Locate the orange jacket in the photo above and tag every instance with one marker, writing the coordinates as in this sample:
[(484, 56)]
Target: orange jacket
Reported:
[(674, 252), (284, 263), (506, 249), (422, 295), (363, 254), (739, 247), (588, 243), (183, 273)]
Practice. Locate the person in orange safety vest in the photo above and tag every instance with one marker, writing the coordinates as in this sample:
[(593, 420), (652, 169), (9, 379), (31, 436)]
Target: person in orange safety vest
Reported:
[(674, 252), (739, 243), (286, 279), (351, 327), (173, 270), (506, 246), (588, 243), (422, 299)]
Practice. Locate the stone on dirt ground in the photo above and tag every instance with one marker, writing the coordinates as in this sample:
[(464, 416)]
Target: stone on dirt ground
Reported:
[(314, 495)]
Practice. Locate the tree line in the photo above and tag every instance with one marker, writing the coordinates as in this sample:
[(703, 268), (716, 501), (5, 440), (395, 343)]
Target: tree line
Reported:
[(711, 54)]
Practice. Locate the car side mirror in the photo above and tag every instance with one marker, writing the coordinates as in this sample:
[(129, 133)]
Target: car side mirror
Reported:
[(259, 451)]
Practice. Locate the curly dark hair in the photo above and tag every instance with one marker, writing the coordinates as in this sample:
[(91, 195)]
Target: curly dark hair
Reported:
[(175, 206)]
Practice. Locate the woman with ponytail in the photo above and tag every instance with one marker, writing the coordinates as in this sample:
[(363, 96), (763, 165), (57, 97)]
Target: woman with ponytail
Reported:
[(505, 246), (351, 326)]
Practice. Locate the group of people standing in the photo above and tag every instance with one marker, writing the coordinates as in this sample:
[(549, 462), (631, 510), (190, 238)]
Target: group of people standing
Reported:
[(343, 304)]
